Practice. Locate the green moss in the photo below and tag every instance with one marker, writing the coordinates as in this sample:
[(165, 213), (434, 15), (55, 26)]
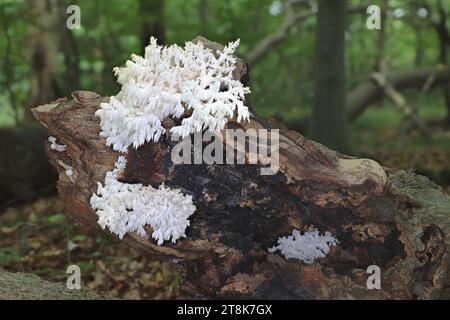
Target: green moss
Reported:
[(9, 255), (22, 286)]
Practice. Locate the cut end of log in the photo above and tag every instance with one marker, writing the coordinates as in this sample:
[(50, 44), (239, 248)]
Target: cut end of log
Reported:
[(39, 110)]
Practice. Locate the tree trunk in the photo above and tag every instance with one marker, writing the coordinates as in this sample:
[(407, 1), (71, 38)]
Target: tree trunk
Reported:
[(69, 48), (398, 221), (329, 121), (444, 43), (204, 18), (420, 45), (380, 59), (42, 40), (152, 13)]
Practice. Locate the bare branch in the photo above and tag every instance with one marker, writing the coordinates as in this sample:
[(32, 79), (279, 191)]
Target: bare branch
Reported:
[(291, 18)]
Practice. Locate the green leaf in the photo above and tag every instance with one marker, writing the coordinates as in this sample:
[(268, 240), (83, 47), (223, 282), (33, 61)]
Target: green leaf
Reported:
[(56, 218), (9, 256), (96, 254), (79, 237), (86, 266)]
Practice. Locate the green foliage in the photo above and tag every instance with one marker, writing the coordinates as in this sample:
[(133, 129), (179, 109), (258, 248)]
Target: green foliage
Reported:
[(372, 128), (281, 82), (79, 237), (9, 255), (56, 218), (86, 266)]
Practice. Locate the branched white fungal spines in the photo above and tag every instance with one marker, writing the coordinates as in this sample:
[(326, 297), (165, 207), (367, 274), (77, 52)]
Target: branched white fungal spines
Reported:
[(307, 247), (167, 82), (123, 208)]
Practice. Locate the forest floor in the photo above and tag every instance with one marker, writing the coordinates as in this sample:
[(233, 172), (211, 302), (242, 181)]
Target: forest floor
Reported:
[(36, 238), (383, 134)]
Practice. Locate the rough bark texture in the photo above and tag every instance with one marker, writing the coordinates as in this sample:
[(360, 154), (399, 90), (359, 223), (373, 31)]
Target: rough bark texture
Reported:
[(23, 286), (398, 222)]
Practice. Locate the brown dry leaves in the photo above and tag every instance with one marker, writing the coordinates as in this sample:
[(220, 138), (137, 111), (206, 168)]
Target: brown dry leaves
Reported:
[(35, 238)]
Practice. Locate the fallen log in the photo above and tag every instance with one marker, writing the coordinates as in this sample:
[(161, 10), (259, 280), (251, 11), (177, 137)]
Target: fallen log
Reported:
[(396, 221)]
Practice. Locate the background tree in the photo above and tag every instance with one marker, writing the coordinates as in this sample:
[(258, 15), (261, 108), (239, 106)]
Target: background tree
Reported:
[(43, 49), (442, 30), (152, 17), (70, 50), (204, 18), (329, 120)]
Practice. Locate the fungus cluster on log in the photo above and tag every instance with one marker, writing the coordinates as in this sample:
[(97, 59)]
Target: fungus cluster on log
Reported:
[(353, 213)]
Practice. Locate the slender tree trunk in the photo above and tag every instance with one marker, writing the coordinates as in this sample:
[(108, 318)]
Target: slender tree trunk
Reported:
[(420, 52), (446, 87), (380, 59), (329, 120), (42, 43), (70, 51), (7, 66), (152, 13), (444, 43), (203, 9)]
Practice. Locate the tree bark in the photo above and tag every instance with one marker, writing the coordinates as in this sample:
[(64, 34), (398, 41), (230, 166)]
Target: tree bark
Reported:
[(328, 119), (398, 221)]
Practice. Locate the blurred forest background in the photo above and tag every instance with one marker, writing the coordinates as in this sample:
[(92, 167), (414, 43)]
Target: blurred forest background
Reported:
[(315, 66)]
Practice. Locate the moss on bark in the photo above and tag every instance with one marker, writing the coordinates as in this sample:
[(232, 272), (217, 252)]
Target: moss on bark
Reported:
[(23, 286)]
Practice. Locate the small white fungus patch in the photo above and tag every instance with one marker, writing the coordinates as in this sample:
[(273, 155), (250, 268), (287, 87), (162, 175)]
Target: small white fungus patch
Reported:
[(55, 146), (123, 208), (307, 247), (69, 170)]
